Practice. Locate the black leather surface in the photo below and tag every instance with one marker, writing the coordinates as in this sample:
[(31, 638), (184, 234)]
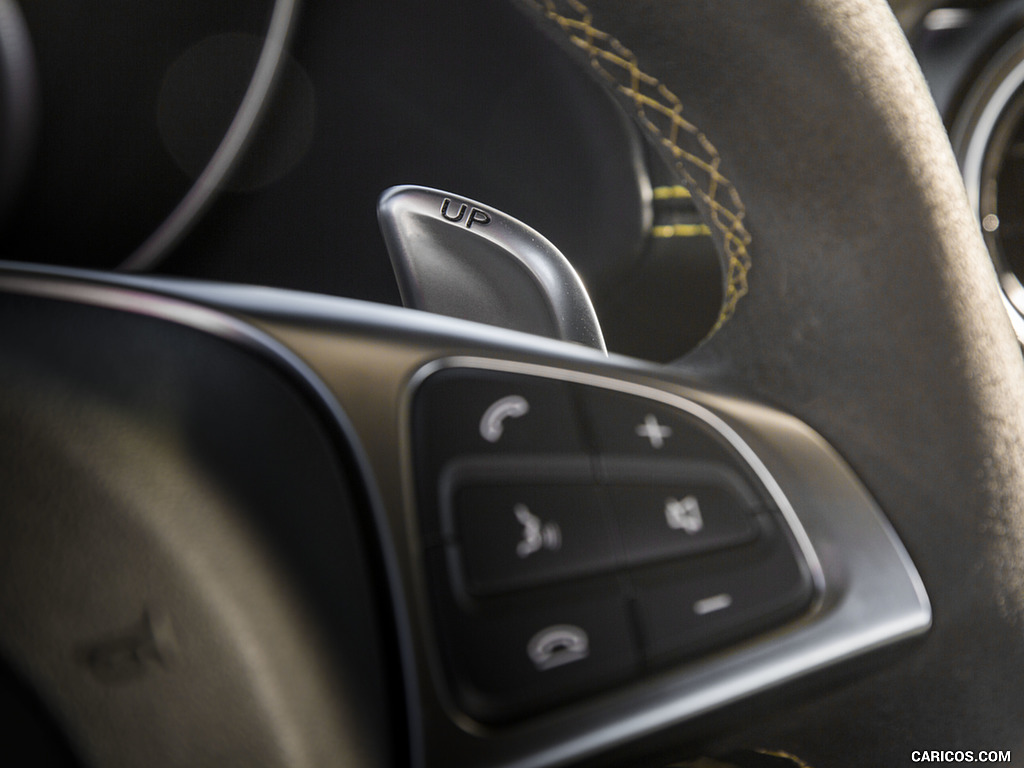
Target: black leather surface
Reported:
[(184, 578), (873, 314)]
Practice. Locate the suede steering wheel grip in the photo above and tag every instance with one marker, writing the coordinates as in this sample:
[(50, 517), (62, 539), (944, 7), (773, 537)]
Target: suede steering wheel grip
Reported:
[(871, 312)]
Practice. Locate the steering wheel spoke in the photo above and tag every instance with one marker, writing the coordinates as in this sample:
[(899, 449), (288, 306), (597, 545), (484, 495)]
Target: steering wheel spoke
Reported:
[(580, 550)]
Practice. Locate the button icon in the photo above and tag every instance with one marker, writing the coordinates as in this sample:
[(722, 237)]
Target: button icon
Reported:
[(492, 423), (558, 645), (684, 515), (536, 535), (653, 431)]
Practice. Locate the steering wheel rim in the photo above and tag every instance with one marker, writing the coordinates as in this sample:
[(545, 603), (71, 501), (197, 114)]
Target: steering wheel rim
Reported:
[(872, 313)]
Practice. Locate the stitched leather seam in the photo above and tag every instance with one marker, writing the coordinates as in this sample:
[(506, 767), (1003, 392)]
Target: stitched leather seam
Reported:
[(680, 230), (674, 192), (797, 762), (664, 231), (660, 112)]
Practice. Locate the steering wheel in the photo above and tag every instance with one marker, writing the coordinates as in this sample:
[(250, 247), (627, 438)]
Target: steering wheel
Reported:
[(872, 315), (859, 300)]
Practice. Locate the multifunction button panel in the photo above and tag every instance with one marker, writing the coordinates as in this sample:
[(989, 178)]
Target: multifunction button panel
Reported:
[(578, 537)]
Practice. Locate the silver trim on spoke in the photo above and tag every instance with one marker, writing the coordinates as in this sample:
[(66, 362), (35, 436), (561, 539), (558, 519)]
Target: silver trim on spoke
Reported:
[(870, 595)]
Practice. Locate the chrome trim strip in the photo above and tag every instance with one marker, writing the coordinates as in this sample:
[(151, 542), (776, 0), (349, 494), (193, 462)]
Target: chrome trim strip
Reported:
[(971, 168), (231, 148), (19, 103), (974, 157)]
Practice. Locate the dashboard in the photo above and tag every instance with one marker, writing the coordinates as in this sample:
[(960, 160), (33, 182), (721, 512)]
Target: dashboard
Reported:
[(461, 98)]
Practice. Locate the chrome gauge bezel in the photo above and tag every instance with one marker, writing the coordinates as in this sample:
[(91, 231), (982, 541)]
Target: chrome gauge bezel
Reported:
[(980, 133)]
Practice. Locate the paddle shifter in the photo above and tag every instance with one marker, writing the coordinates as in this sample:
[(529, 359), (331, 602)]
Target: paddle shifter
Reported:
[(454, 256)]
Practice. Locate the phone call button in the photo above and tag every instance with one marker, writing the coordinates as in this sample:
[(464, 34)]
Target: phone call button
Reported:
[(462, 414), (561, 644), (479, 413), (526, 656)]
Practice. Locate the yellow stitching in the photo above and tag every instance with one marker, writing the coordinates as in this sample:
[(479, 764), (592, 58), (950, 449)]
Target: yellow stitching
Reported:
[(654, 104), (797, 762), (674, 192), (681, 230)]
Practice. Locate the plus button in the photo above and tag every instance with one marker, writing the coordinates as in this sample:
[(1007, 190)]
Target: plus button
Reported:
[(653, 431)]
